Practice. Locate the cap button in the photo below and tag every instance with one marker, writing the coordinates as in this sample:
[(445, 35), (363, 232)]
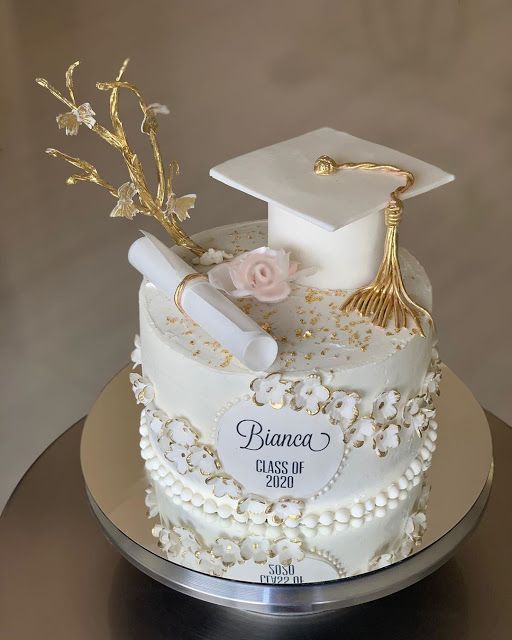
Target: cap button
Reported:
[(325, 166)]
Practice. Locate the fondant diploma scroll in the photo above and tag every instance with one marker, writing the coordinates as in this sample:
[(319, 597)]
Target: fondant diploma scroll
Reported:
[(204, 304)]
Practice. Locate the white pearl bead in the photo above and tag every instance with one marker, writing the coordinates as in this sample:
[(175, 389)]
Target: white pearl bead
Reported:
[(380, 500), (177, 487), (342, 515), (369, 504), (409, 474), (168, 492), (356, 522), (424, 453), (393, 491), (430, 445), (186, 494), (209, 506), (147, 453), (393, 504), (357, 511), (162, 471), (402, 482), (416, 466), (291, 523), (144, 442), (432, 435), (153, 464), (197, 500), (402, 495), (368, 517), (309, 521), (416, 480), (240, 517), (225, 511), (380, 512), (326, 518)]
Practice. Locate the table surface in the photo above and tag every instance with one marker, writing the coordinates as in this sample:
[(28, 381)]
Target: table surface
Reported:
[(60, 578)]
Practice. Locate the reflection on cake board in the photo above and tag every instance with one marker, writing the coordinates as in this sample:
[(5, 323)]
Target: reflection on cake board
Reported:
[(460, 480)]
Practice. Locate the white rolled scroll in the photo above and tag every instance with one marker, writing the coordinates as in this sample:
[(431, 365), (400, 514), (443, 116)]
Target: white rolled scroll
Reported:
[(204, 304)]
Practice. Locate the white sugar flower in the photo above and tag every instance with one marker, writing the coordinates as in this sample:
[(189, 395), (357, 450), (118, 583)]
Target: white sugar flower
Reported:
[(135, 355), (187, 539), (181, 432), (286, 551), (158, 108), (178, 456), (212, 256), (309, 394), (285, 510), (385, 439), (208, 564), (363, 429), (228, 551), (125, 207), (142, 389), (431, 383), (224, 486), (384, 407), (168, 540), (381, 561), (271, 390), (416, 526), (252, 506), (156, 419), (71, 120), (149, 123), (255, 548), (151, 503), (203, 459), (342, 408), (417, 413)]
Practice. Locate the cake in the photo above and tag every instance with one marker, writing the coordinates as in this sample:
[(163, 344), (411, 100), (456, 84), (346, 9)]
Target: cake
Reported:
[(286, 368), (316, 467)]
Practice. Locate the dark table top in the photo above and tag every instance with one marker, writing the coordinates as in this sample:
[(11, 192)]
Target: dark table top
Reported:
[(60, 578)]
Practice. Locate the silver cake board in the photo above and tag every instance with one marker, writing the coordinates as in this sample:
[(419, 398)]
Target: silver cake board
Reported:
[(460, 477)]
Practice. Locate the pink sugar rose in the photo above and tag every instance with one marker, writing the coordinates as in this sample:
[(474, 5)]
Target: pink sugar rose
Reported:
[(263, 273)]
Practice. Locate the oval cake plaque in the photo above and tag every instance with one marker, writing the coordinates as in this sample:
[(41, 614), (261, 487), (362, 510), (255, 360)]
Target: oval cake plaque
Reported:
[(275, 453)]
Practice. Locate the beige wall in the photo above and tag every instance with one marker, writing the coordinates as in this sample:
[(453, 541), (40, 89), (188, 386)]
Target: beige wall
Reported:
[(430, 77)]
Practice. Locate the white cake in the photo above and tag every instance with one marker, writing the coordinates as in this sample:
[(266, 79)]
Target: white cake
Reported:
[(201, 392), (311, 470)]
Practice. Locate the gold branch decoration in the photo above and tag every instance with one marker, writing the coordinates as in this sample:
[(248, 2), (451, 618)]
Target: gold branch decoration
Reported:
[(385, 297), (164, 205)]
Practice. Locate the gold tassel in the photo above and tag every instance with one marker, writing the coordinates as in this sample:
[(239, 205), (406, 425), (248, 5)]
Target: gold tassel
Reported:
[(385, 297)]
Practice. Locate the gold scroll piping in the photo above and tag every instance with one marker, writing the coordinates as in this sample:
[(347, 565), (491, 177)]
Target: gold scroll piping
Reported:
[(385, 298)]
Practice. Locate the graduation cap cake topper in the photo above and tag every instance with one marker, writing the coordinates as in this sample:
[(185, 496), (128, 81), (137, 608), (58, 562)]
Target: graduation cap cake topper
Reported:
[(339, 216)]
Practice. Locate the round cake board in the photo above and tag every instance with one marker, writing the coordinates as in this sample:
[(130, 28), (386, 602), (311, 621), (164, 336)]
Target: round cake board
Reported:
[(460, 479)]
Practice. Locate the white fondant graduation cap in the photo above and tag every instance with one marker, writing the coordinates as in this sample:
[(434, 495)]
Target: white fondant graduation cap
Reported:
[(333, 223)]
